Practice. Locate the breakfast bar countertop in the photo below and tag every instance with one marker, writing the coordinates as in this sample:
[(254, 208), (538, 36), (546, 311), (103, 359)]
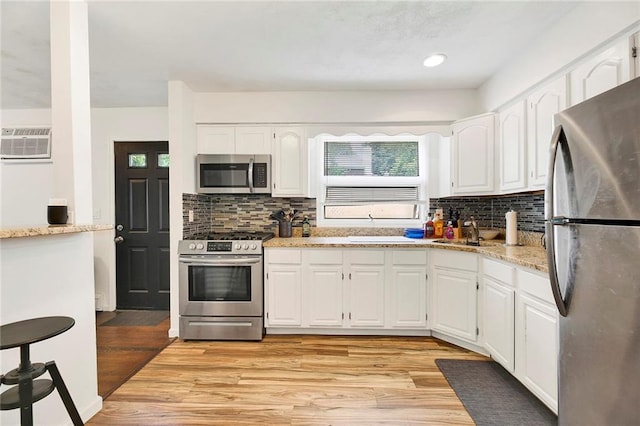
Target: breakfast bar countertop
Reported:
[(39, 230), (534, 257)]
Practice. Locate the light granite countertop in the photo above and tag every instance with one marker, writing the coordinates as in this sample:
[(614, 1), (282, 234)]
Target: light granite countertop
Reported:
[(534, 257), (42, 230)]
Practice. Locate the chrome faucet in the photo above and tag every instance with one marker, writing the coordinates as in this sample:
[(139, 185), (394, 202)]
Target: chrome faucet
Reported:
[(475, 232)]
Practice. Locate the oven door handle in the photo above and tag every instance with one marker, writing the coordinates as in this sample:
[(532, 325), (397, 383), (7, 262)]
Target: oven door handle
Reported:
[(220, 262)]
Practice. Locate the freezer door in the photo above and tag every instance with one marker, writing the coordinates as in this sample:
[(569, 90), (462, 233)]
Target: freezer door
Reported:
[(599, 363), (600, 160)]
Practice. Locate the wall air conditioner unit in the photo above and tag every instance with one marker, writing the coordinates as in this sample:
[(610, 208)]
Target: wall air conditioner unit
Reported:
[(25, 143)]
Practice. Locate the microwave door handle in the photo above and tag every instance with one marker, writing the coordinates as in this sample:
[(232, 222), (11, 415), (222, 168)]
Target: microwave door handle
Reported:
[(250, 175)]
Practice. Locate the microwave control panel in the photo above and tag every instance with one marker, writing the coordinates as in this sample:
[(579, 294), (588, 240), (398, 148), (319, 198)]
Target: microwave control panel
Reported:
[(260, 175)]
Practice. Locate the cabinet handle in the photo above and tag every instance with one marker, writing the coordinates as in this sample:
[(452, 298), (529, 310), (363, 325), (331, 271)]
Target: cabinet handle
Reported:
[(349, 275)]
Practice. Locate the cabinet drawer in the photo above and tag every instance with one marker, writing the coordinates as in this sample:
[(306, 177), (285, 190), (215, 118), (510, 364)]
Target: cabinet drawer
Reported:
[(365, 257), (454, 260), (535, 285), (286, 256), (499, 271), (409, 257), (322, 257)]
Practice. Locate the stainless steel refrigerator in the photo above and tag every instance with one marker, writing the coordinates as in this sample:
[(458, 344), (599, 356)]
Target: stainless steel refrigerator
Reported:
[(592, 212)]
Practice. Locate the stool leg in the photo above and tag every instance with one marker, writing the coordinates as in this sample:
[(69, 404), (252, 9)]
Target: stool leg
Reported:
[(25, 389), (52, 368)]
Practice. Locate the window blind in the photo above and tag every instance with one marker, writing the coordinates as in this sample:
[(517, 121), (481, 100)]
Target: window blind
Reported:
[(353, 195)]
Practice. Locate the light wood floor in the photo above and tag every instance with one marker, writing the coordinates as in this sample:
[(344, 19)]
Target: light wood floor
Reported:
[(292, 380)]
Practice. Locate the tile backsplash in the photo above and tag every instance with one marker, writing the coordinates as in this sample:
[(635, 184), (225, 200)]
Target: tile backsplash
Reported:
[(220, 213), (490, 211)]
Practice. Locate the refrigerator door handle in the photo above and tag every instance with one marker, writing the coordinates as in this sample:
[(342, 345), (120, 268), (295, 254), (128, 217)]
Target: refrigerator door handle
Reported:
[(558, 134)]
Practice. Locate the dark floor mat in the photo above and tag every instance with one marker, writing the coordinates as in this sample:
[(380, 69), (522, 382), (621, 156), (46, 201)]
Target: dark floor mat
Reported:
[(492, 396), (137, 318)]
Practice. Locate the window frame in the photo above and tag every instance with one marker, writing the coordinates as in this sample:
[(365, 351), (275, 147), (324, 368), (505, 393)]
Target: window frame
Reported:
[(390, 181)]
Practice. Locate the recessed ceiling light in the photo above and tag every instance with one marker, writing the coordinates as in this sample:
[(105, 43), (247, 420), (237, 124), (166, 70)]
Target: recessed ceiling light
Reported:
[(435, 60)]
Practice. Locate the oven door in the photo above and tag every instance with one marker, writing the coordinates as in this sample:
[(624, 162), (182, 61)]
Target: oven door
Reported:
[(221, 285)]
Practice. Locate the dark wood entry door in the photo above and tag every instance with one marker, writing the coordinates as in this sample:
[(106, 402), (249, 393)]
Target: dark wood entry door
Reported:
[(142, 225)]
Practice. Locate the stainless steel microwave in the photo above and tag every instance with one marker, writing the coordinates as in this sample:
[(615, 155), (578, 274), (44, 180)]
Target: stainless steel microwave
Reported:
[(233, 174)]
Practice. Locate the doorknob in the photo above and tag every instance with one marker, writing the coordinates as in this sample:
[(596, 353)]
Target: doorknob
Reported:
[(118, 239)]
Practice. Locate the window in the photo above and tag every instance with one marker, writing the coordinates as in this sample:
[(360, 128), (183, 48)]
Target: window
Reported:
[(163, 160), (372, 181), (137, 160)]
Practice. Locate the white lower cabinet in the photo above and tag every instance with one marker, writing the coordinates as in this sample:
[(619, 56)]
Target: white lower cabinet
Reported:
[(454, 294), (536, 333), (283, 285), (407, 289), (363, 289), (498, 304), (323, 288), (365, 298)]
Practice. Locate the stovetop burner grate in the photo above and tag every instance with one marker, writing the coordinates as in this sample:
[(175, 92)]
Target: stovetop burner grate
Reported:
[(233, 236)]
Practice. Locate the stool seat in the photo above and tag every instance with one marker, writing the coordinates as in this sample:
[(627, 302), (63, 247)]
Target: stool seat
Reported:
[(22, 334), (33, 330)]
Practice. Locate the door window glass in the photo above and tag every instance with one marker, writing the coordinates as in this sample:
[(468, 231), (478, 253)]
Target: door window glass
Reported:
[(137, 160)]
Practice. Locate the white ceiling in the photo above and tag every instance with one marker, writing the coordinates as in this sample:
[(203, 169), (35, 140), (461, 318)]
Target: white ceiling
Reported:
[(137, 46)]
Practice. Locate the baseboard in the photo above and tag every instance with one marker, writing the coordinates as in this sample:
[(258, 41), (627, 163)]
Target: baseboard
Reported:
[(88, 412), (348, 331)]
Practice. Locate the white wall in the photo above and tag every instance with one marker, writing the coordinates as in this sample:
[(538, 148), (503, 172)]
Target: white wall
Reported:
[(52, 276), (109, 125), (335, 107), (580, 32), (25, 186)]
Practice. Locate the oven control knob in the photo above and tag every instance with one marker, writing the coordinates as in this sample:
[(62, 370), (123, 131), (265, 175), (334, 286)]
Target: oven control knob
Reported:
[(199, 246), (192, 246), (253, 246), (237, 246), (245, 246)]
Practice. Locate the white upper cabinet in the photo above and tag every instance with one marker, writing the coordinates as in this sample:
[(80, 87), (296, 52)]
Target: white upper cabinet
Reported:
[(602, 72), (289, 162), (472, 154), (543, 104), (513, 147), (213, 139), (253, 140)]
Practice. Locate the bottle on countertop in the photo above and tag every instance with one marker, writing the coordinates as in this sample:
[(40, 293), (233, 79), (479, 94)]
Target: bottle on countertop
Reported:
[(448, 232), (306, 227), (429, 231), (438, 224)]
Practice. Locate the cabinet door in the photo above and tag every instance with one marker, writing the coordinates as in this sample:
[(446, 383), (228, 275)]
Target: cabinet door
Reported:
[(454, 303), (283, 285), (537, 348), (601, 72), (290, 163), (472, 155), (215, 139), (253, 140), (408, 296), (543, 105), (323, 295), (498, 324), (366, 295), (513, 171)]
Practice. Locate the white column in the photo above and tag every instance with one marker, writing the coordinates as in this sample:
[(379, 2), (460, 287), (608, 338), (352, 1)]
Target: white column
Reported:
[(182, 149), (70, 108)]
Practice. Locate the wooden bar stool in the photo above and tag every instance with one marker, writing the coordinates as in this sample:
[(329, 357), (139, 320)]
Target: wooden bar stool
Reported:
[(22, 334)]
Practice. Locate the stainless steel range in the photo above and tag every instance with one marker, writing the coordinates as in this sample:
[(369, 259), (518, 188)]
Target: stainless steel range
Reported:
[(221, 286)]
